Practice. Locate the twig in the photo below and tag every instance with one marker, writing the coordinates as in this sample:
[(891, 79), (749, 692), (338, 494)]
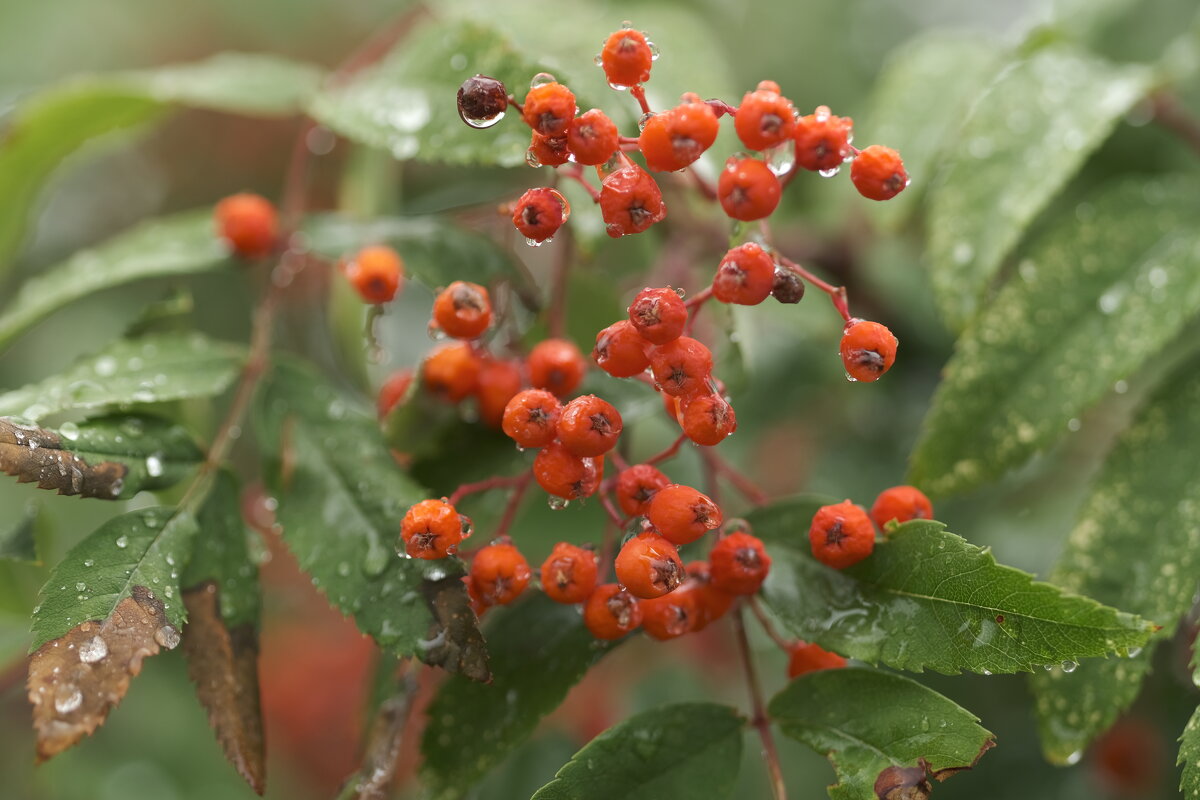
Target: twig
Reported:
[(747, 487), (1169, 113), (557, 314), (760, 721), (837, 294), (498, 482), (639, 94), (514, 503), (374, 779), (669, 452), (768, 627)]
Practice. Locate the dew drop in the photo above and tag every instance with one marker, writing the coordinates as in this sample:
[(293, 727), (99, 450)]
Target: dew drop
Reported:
[(1073, 758), (541, 79), (167, 636), (93, 650), (829, 173), (654, 54), (67, 698), (154, 466), (106, 366), (644, 119), (80, 586), (69, 430), (1069, 666), (598, 60), (781, 158), (89, 562), (557, 503), (536, 242), (1134, 652), (122, 542)]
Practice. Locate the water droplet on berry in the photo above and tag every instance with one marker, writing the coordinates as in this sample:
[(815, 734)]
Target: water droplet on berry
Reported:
[(644, 119), (781, 158), (829, 173), (599, 61), (679, 290), (531, 158), (851, 378), (482, 122), (536, 242), (557, 503), (617, 87), (654, 54), (614, 230), (626, 25), (435, 333), (541, 79)]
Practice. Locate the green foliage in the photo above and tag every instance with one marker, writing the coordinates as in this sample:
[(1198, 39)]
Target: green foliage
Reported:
[(222, 554), (1189, 758), (18, 540)]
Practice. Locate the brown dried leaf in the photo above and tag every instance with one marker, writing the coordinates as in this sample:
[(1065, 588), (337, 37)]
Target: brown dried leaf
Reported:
[(30, 453), (223, 663), (458, 645), (76, 679)]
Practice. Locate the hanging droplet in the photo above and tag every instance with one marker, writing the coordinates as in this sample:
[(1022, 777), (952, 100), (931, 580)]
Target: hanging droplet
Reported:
[(1069, 666), (167, 636), (531, 158), (781, 158), (645, 118), (557, 503), (654, 54), (541, 79), (829, 173)]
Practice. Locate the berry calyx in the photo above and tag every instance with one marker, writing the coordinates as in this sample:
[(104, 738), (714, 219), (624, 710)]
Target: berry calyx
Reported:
[(626, 58), (499, 382), (463, 310), (611, 612), (589, 426), (707, 419), (682, 514), (620, 350), (681, 367), (393, 391), (765, 118), (500, 573), (563, 474), (433, 529), (823, 140), (659, 315), (248, 223), (745, 276), (649, 566), (556, 365), (788, 287), (630, 201), (841, 535), (804, 657), (900, 504), (637, 485), (549, 108), (671, 615), (539, 213), (673, 139), (739, 563), (868, 350), (878, 173), (569, 573), (592, 137), (452, 372), (747, 189), (531, 418), (482, 101)]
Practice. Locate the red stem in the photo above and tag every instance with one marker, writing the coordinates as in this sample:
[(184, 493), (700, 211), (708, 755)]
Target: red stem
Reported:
[(668, 453), (707, 190), (640, 95), (613, 513), (837, 294), (556, 319), (760, 721), (576, 174), (768, 627), (747, 487), (499, 482), (514, 504)]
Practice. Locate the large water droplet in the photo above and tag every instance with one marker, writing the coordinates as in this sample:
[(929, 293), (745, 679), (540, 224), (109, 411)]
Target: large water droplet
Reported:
[(557, 503), (781, 158), (1069, 666), (67, 698), (93, 650), (829, 173), (154, 466), (167, 636), (122, 542), (541, 79), (69, 430)]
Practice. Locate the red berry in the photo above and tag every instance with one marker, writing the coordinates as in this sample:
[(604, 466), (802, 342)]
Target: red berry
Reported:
[(659, 315), (636, 485), (499, 382), (433, 529), (248, 224), (500, 573), (549, 108), (564, 474), (393, 391), (671, 615), (531, 418), (592, 137), (626, 58), (478, 604), (765, 118), (823, 140), (452, 372), (868, 350), (746, 275), (804, 657), (569, 573), (878, 173), (376, 274), (712, 602), (620, 350), (547, 152), (747, 189), (841, 535), (482, 101), (463, 310), (673, 139), (649, 566), (739, 563), (630, 201), (611, 612), (900, 503), (707, 419), (682, 514), (556, 365), (540, 213), (681, 367), (589, 426)]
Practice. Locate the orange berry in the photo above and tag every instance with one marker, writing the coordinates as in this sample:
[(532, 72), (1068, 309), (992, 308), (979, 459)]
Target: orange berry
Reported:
[(630, 201), (547, 152), (592, 137), (589, 426), (563, 474), (659, 315), (747, 189), (739, 563), (648, 565), (549, 109), (804, 657), (500, 573), (556, 365), (452, 372), (673, 139), (681, 367), (433, 529), (248, 223), (499, 382), (393, 391), (620, 350), (637, 485), (682, 514), (671, 615), (478, 605), (569, 573), (539, 213), (376, 274), (712, 603), (868, 350), (878, 173), (463, 310), (841, 535), (626, 58), (531, 418), (823, 140), (745, 276), (707, 419), (610, 612), (765, 119), (901, 504)]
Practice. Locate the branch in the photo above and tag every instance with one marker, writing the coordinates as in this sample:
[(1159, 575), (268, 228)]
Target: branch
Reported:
[(760, 721)]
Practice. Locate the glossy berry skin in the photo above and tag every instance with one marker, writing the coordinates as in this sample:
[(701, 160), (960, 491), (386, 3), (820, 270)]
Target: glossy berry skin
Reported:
[(433, 529), (451, 372), (620, 350), (592, 137), (481, 99), (531, 418), (841, 535), (712, 603), (649, 566), (463, 310), (868, 350), (547, 152), (673, 139), (747, 189), (788, 287), (900, 504), (671, 615), (393, 391), (556, 365), (636, 485), (765, 118), (739, 563), (878, 173), (376, 274), (478, 605), (500, 573), (630, 201), (539, 213), (626, 58), (611, 612), (804, 657), (707, 419), (823, 140), (248, 223), (589, 426), (499, 382), (682, 367), (569, 573), (549, 109), (563, 474), (659, 315), (745, 276), (682, 514)]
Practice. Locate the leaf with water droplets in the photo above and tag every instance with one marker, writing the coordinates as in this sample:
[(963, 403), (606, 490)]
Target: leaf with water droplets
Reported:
[(1189, 757), (1107, 288), (691, 750), (1136, 545), (539, 650), (222, 555), (865, 721), (927, 599), (18, 539), (1063, 104)]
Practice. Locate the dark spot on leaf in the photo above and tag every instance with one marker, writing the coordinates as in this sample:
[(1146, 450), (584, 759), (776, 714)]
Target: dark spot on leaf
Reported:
[(32, 454), (999, 619), (455, 643), (903, 783)]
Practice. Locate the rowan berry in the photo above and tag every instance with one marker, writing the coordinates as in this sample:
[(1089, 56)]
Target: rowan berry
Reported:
[(804, 657), (739, 563), (900, 504), (539, 213), (626, 58), (433, 529), (248, 223), (463, 310), (500, 573), (531, 418), (482, 101), (569, 573), (630, 201), (675, 138), (393, 391), (788, 286), (671, 615), (549, 108), (765, 118), (878, 173), (681, 367), (682, 514), (712, 603), (841, 535), (610, 612), (636, 485), (564, 474), (745, 276), (592, 137), (478, 604), (556, 365), (375, 273), (823, 140), (659, 315), (707, 419), (547, 152), (589, 426), (747, 189), (649, 566), (868, 350), (620, 350), (499, 382), (452, 372)]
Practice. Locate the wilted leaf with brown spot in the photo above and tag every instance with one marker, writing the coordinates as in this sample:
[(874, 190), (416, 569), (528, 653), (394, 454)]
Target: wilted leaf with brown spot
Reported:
[(30, 454), (223, 663), (76, 679)]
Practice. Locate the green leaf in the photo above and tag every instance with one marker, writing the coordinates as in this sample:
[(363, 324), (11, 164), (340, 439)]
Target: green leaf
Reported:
[(865, 721), (927, 599), (341, 500), (140, 548), (1103, 292), (1136, 545), (222, 555), (152, 369), (1027, 135), (18, 539), (183, 244), (539, 650), (690, 750), (1189, 758)]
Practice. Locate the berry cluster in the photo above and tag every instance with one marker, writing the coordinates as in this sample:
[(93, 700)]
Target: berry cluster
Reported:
[(843, 534)]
